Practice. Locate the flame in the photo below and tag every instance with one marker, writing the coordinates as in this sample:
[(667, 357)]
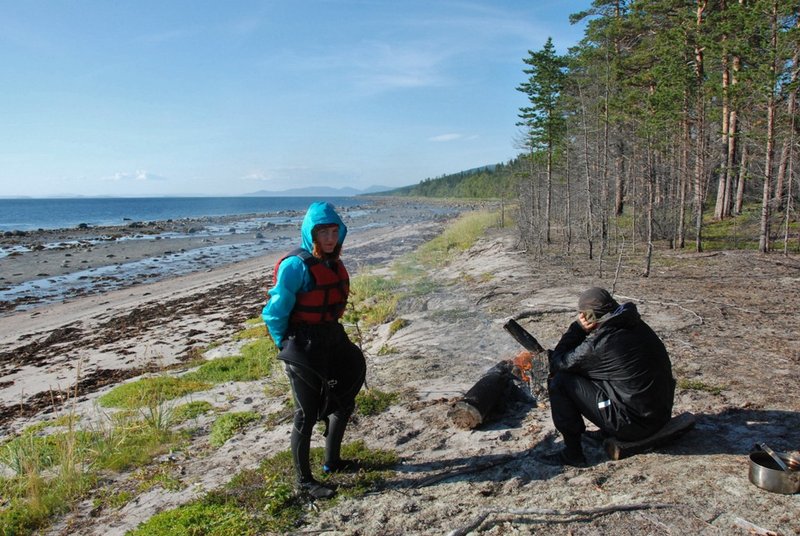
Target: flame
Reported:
[(523, 363)]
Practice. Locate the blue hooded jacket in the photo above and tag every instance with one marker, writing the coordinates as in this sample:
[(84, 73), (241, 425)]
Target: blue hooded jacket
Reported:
[(293, 275)]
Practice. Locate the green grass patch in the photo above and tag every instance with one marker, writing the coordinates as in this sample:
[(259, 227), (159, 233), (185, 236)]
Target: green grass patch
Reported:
[(228, 424), (263, 349), (373, 300), (252, 332), (255, 362), (397, 325), (264, 500), (232, 369), (147, 391), (372, 401), (737, 232), (386, 349), (122, 448), (698, 385), (190, 410), (53, 471), (163, 475), (111, 498), (456, 238), (200, 519)]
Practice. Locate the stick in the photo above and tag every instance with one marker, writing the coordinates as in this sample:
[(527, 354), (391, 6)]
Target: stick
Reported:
[(753, 529), (464, 470), (520, 335), (589, 513), (678, 305)]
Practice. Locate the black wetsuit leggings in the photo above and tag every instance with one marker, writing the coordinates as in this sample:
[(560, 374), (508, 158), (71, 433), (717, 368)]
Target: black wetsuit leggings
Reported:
[(326, 372)]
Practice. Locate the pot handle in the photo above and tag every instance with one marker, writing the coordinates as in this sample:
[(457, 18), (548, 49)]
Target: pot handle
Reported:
[(765, 448)]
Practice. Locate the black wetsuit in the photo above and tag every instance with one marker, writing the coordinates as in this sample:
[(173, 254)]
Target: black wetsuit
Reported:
[(326, 371)]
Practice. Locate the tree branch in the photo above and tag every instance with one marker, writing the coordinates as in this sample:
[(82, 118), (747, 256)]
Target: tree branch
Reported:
[(673, 304), (570, 515)]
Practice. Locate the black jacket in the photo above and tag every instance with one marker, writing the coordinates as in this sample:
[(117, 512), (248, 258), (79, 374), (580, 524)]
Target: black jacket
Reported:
[(627, 360)]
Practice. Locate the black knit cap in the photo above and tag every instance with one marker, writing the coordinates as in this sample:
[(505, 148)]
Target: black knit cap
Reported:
[(598, 300)]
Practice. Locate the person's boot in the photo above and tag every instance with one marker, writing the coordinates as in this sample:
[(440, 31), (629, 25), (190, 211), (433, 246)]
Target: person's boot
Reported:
[(571, 454), (596, 436), (315, 490), (301, 450), (564, 457), (334, 463)]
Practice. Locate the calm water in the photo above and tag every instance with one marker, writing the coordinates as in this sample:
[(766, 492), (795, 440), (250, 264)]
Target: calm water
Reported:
[(205, 253), (31, 214)]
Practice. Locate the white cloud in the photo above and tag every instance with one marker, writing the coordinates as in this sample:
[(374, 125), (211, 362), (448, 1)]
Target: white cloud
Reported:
[(446, 137), (139, 175), (256, 176)]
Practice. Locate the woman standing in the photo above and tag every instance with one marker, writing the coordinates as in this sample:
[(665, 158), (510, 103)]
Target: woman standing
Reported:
[(326, 370)]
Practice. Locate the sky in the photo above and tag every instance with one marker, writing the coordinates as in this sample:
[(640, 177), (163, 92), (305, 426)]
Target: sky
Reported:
[(201, 97)]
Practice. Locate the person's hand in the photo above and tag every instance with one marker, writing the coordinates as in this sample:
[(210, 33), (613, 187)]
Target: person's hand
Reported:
[(585, 324)]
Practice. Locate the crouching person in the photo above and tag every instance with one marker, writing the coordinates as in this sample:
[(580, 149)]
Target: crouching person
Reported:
[(325, 369), (611, 368)]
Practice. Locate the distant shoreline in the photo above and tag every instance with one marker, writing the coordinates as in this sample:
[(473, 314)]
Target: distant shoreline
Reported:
[(48, 266), (20, 216)]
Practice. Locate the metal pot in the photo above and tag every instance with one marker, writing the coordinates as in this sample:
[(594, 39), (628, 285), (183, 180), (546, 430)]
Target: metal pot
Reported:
[(766, 474)]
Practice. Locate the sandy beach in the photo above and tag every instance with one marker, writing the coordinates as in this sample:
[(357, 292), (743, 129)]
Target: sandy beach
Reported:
[(49, 266), (107, 335), (726, 319)]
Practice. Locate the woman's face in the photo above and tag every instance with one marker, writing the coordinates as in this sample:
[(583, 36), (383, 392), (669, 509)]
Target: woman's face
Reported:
[(327, 238)]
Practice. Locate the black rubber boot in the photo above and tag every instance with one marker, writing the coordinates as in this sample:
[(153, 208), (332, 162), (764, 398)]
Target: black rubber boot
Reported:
[(301, 449), (563, 457), (571, 454), (337, 423), (316, 490)]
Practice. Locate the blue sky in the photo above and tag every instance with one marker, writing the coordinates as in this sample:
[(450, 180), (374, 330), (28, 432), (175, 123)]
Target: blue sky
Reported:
[(168, 97)]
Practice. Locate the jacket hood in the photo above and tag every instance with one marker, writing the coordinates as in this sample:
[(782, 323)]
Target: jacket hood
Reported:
[(625, 314), (320, 213)]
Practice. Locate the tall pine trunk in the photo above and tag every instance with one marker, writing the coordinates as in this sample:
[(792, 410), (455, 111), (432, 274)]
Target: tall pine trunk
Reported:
[(699, 167), (720, 209), (791, 108), (764, 238)]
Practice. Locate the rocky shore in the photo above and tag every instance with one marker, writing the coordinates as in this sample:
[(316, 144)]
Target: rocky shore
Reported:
[(46, 266)]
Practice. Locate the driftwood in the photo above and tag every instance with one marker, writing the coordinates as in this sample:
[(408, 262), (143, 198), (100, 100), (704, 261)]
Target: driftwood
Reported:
[(753, 529), (570, 516), (487, 393)]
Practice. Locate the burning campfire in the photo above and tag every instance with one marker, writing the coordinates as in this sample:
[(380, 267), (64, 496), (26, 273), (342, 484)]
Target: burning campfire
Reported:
[(532, 368)]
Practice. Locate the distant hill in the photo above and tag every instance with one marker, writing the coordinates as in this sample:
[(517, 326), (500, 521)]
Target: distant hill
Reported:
[(315, 191), (496, 180), (490, 181)]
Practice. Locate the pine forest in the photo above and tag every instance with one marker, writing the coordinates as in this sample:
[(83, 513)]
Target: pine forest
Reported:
[(672, 124)]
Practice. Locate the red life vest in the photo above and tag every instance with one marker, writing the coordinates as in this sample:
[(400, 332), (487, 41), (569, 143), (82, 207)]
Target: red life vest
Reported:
[(327, 298)]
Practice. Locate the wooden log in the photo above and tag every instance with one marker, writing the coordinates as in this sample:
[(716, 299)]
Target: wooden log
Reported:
[(483, 397), (676, 427), (523, 336)]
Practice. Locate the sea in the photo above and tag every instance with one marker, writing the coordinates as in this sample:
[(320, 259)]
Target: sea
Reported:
[(63, 213), (21, 216)]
